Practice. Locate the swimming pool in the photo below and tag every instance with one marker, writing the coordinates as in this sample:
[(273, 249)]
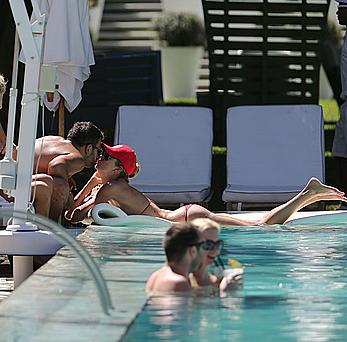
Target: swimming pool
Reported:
[(295, 290)]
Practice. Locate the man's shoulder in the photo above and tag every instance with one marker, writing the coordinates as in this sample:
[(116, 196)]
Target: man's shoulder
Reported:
[(67, 162), (181, 284), (164, 281), (51, 138)]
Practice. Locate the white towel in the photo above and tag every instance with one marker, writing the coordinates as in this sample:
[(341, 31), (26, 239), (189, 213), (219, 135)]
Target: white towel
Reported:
[(67, 45)]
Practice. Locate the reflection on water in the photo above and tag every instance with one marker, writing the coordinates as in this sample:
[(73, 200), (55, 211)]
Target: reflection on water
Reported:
[(294, 290)]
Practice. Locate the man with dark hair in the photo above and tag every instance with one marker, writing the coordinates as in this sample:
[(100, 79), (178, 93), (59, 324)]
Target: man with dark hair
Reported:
[(62, 158), (84, 132), (184, 248)]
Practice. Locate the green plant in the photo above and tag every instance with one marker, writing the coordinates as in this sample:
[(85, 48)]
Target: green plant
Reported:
[(181, 101), (180, 29)]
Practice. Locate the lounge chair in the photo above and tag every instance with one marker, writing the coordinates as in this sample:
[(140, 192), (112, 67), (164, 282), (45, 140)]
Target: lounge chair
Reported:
[(272, 151), (174, 148)]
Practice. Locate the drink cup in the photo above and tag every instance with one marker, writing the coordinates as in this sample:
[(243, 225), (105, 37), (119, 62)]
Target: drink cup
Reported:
[(233, 274)]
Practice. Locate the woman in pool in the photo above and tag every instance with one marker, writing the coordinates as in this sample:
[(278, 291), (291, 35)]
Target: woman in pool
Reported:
[(202, 277), (118, 163)]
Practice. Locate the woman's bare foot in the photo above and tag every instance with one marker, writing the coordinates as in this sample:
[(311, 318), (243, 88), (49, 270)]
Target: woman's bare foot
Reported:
[(322, 192)]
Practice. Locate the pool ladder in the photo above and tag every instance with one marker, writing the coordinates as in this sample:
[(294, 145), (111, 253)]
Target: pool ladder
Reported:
[(61, 234)]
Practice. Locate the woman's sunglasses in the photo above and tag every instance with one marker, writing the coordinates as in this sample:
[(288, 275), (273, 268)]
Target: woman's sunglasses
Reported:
[(99, 151), (211, 244), (104, 156), (208, 245)]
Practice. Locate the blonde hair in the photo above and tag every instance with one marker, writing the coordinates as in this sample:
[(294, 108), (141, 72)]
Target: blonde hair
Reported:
[(2, 84), (124, 174), (138, 168), (205, 223)]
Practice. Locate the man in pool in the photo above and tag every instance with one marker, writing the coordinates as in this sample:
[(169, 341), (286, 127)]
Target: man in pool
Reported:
[(184, 250), (118, 163)]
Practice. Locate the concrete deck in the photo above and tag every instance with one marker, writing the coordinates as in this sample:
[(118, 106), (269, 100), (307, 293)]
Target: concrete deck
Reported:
[(59, 301)]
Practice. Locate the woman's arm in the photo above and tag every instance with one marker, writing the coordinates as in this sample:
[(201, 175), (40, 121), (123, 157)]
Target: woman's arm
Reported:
[(102, 195), (232, 279), (81, 212), (82, 195), (93, 181)]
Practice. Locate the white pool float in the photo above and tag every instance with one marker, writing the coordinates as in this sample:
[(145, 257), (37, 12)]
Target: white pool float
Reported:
[(319, 217), (302, 217), (105, 214)]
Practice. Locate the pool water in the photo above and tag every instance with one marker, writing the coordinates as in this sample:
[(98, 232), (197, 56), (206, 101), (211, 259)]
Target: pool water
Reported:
[(294, 290)]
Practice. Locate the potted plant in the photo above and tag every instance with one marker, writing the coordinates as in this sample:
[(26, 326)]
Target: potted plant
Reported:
[(182, 37)]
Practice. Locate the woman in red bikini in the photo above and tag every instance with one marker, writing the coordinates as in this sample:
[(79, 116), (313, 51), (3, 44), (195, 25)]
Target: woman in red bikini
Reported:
[(118, 163)]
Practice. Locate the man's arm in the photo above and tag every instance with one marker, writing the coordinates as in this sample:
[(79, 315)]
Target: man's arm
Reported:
[(61, 168), (65, 166)]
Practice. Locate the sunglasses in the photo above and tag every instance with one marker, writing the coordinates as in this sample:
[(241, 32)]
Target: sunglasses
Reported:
[(208, 245), (105, 156), (99, 151)]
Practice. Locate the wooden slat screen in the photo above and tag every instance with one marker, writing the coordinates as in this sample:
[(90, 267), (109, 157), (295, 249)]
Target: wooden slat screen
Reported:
[(263, 52)]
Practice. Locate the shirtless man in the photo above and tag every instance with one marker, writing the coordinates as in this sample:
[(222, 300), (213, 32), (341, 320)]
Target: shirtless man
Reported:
[(62, 158), (118, 163), (183, 245)]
